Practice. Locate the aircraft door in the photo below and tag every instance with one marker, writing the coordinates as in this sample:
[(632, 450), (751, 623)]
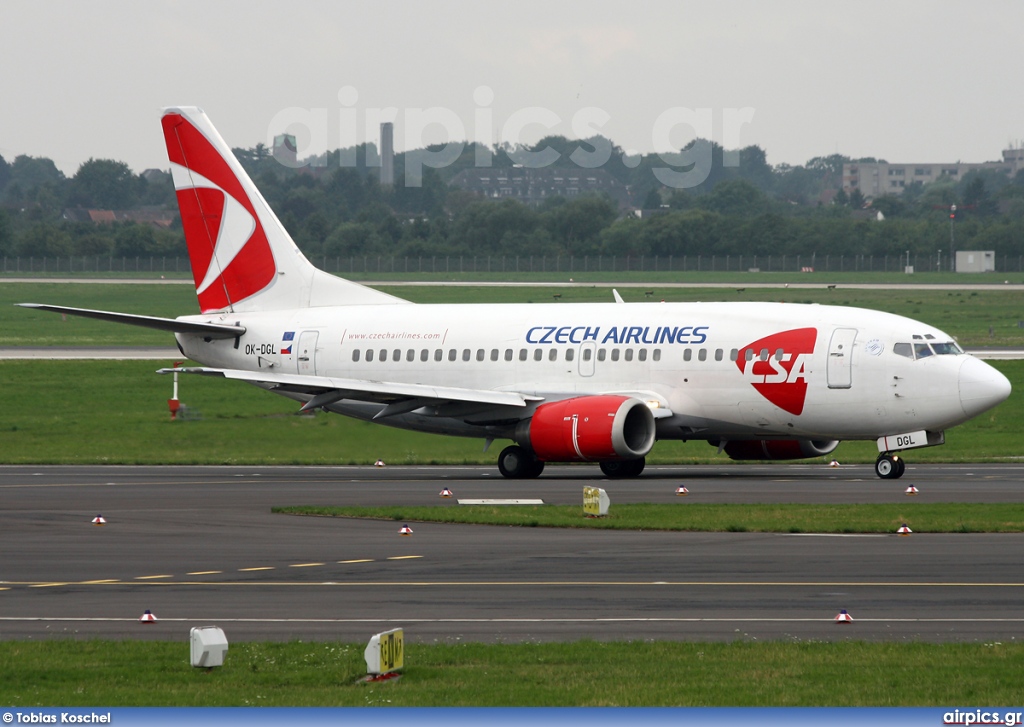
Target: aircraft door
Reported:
[(306, 357), (840, 358), (588, 351)]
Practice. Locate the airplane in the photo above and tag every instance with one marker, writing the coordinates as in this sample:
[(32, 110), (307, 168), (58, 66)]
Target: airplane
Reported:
[(591, 382)]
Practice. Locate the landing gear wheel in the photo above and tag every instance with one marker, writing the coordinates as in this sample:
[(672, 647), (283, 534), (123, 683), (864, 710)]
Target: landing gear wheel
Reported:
[(889, 466), (516, 463), (618, 469)]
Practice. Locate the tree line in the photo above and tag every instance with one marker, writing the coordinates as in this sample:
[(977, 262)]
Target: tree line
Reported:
[(334, 207)]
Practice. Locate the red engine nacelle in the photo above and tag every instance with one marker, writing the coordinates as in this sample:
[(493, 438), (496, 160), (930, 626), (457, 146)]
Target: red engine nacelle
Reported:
[(779, 448), (592, 428)]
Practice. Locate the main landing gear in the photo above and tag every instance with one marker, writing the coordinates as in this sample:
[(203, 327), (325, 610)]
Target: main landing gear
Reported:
[(890, 466), (516, 463), (618, 469)]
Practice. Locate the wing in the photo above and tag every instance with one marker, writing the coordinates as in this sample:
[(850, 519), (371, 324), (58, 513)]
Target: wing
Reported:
[(399, 398)]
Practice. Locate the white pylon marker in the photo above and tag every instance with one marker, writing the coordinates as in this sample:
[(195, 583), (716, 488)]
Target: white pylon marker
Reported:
[(147, 618), (904, 530), (844, 617), (446, 492), (405, 530), (833, 463), (682, 490), (911, 490), (99, 520), (378, 463)]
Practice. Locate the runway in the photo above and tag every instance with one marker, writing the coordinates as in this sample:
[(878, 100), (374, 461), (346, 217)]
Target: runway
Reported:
[(199, 546)]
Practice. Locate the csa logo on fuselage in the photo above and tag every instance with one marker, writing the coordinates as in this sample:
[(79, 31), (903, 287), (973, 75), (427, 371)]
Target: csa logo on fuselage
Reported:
[(781, 378)]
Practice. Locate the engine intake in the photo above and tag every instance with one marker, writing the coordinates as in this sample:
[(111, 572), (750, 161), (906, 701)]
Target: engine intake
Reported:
[(779, 448), (591, 428)]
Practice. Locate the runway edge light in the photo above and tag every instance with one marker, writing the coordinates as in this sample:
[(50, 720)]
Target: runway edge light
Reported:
[(208, 646), (682, 491), (911, 490), (446, 492), (385, 655), (405, 530), (147, 618), (844, 618), (99, 520), (904, 530)]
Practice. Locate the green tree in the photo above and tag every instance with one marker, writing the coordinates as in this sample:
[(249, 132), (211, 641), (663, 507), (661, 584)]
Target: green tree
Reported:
[(33, 172), (44, 240), (105, 184), (5, 173)]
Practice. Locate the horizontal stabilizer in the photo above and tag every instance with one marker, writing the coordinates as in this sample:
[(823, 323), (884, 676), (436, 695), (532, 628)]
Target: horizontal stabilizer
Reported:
[(173, 325), (383, 392)]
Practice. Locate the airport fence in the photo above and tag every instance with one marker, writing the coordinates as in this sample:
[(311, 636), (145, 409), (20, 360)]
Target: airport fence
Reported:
[(495, 264)]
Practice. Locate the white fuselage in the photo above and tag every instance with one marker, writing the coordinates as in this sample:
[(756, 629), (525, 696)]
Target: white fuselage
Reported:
[(708, 370)]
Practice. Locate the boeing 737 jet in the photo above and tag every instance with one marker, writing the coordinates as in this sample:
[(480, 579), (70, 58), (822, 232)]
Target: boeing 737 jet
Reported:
[(595, 382)]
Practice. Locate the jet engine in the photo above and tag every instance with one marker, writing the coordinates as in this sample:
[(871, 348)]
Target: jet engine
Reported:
[(779, 448), (601, 428)]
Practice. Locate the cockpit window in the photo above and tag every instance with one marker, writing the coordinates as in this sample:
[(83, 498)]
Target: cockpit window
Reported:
[(903, 349), (921, 350), (946, 349)]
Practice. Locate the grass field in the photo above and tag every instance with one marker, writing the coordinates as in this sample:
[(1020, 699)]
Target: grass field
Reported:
[(115, 412), (584, 674), (956, 517)]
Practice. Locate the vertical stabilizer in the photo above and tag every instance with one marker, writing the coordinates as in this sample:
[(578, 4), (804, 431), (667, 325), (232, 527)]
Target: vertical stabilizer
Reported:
[(242, 257)]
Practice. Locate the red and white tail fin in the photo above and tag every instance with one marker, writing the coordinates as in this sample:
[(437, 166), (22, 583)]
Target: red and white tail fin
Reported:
[(242, 257)]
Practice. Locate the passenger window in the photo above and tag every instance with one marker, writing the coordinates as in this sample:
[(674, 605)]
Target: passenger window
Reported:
[(396, 355), (438, 354), (424, 355), (553, 354), (508, 354), (355, 354), (687, 354), (615, 354), (903, 349), (569, 354), (410, 355), (600, 354), (480, 354), (642, 354), (494, 354), (764, 354), (523, 353), (629, 354), (921, 350), (657, 354), (779, 353), (383, 355), (369, 354), (466, 354), (538, 355), (587, 354), (734, 354), (452, 354), (702, 355), (719, 354), (748, 354)]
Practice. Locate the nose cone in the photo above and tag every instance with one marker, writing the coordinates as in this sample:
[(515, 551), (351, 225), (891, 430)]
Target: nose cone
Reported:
[(981, 386)]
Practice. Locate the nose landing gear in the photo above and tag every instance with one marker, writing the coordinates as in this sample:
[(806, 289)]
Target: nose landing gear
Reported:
[(890, 466)]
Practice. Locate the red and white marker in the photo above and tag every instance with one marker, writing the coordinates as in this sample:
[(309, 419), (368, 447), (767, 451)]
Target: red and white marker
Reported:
[(911, 490), (833, 463), (147, 618), (99, 520), (446, 492), (379, 463), (682, 490), (405, 530), (904, 530), (844, 617)]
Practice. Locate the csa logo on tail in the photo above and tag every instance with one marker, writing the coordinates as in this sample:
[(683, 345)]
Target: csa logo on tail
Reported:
[(781, 378), (230, 253)]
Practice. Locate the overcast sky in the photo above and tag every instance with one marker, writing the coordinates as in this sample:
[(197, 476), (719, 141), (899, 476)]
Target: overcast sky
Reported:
[(907, 81)]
